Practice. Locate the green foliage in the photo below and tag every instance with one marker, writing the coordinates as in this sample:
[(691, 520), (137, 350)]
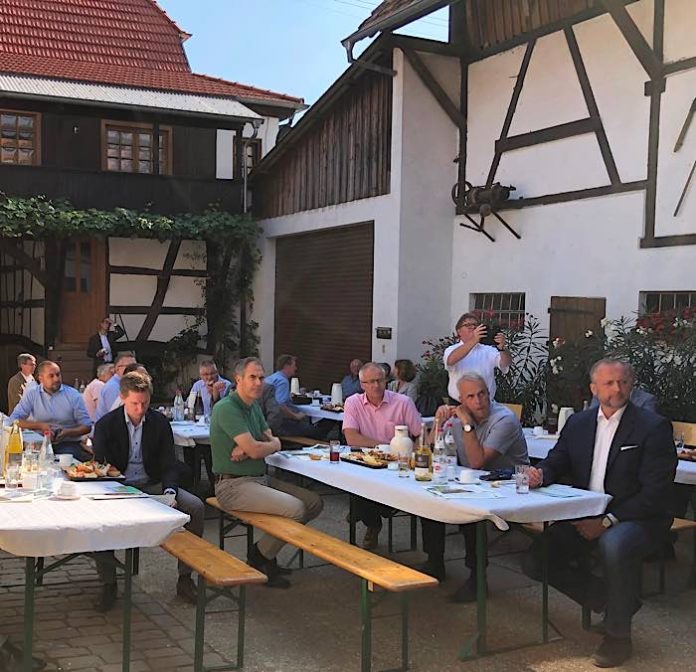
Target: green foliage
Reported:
[(39, 218)]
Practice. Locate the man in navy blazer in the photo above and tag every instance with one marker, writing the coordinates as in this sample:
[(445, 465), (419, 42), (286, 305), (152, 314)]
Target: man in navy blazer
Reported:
[(139, 443), (628, 453)]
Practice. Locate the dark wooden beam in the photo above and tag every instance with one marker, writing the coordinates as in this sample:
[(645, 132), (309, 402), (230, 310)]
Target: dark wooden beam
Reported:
[(592, 107), (435, 88), (678, 66), (578, 195), (511, 108), (464, 106), (138, 270), (639, 45), (669, 241), (558, 132), (162, 286), (423, 45), (29, 303), (145, 310), (30, 264)]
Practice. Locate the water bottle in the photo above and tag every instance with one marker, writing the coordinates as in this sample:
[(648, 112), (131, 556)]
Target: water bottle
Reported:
[(46, 463), (178, 406), (450, 453), (439, 460)]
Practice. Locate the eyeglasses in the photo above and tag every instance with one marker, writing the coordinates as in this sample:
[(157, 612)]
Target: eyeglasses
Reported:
[(374, 381)]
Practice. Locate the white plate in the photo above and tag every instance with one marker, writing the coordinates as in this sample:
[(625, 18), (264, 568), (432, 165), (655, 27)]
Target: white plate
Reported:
[(67, 497)]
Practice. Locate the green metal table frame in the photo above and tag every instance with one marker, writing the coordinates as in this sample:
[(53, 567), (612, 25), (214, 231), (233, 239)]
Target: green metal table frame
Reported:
[(31, 578), (477, 646)]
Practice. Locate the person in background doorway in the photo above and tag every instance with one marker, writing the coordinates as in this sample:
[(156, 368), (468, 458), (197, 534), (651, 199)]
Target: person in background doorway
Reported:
[(101, 346)]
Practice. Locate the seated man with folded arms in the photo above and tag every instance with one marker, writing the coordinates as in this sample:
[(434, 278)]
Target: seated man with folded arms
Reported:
[(138, 441), (351, 381), (111, 390), (368, 420), (240, 440), (626, 452), (488, 436), (57, 408)]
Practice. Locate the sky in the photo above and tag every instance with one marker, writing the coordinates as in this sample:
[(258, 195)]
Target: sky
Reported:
[(288, 46)]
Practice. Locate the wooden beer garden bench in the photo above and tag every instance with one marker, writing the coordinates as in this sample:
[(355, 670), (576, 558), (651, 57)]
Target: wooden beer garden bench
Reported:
[(218, 572), (373, 570)]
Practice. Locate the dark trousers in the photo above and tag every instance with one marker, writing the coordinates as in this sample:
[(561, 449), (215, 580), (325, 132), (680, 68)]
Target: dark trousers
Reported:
[(73, 448), (291, 427), (620, 551), (368, 512), (434, 543)]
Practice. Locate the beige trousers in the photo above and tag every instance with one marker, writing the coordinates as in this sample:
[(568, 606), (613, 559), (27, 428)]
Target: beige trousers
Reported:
[(265, 494)]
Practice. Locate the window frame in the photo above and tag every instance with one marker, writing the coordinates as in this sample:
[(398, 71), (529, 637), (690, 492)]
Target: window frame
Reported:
[(643, 300), (502, 316), (37, 136), (250, 142), (136, 127)]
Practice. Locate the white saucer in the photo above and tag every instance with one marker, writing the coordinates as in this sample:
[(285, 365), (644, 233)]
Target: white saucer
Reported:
[(67, 497)]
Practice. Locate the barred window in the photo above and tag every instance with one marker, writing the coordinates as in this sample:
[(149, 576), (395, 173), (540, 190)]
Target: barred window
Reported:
[(660, 302), (505, 308)]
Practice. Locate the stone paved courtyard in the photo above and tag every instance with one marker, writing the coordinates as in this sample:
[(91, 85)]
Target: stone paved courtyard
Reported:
[(315, 625)]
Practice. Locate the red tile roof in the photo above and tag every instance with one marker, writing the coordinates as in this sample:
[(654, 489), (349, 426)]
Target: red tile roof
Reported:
[(123, 42)]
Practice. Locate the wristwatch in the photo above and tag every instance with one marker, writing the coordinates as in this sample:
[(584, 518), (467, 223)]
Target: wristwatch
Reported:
[(607, 522), (468, 428)]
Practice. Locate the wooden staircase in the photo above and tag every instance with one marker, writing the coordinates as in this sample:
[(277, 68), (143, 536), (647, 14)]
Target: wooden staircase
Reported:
[(73, 362)]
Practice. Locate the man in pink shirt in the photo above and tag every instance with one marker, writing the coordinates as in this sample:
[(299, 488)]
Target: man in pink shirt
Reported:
[(368, 420), (91, 393)]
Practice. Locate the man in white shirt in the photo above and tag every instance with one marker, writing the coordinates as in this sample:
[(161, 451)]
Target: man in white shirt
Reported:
[(628, 453), (91, 393), (473, 356)]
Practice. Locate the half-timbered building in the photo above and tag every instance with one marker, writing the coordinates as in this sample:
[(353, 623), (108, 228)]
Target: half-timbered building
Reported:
[(99, 106), (584, 107)]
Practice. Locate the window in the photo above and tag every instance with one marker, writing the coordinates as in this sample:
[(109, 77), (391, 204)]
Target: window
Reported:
[(129, 148), (507, 308), (660, 302), (253, 153), (19, 137)]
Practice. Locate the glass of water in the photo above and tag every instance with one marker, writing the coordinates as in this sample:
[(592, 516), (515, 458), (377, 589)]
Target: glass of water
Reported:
[(522, 479), (679, 442)]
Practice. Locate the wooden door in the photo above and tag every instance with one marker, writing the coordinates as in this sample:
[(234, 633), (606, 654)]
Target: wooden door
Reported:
[(572, 316), (323, 301), (83, 295)]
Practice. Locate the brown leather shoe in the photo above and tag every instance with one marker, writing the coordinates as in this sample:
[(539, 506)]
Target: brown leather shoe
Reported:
[(186, 589), (371, 538), (613, 652)]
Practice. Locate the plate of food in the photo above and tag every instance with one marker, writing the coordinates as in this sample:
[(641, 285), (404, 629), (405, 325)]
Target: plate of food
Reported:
[(372, 459), (687, 453), (93, 471), (334, 408)]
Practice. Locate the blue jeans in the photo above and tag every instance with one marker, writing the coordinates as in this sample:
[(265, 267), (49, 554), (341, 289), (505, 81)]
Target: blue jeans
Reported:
[(620, 551)]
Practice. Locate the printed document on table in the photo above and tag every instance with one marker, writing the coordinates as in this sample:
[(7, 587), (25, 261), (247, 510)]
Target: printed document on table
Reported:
[(473, 491), (557, 490)]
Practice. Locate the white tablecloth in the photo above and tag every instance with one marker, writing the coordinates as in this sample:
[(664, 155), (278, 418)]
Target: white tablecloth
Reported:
[(58, 527), (539, 448), (385, 486), (188, 433)]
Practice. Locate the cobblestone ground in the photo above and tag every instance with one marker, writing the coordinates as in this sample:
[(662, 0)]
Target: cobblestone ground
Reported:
[(71, 635)]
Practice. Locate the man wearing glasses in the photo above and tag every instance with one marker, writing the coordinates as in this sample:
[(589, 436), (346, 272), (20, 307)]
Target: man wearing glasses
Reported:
[(368, 420), (111, 390), (473, 356)]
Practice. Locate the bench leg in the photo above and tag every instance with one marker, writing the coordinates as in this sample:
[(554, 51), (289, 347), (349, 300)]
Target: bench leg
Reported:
[(545, 586), (136, 561), (240, 626), (200, 625), (221, 531), (414, 532), (39, 571), (390, 529), (403, 598), (127, 608), (29, 580), (366, 626), (351, 520), (692, 578)]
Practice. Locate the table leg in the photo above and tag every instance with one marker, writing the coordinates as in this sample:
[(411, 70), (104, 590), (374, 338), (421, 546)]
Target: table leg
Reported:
[(481, 606), (351, 520), (29, 578), (127, 607), (545, 585)]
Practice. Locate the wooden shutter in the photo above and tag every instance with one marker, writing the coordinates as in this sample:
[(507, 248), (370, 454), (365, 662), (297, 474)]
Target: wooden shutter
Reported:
[(572, 316), (323, 301)]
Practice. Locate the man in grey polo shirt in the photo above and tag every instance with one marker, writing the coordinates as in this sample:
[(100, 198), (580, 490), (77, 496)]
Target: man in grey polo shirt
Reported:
[(488, 436)]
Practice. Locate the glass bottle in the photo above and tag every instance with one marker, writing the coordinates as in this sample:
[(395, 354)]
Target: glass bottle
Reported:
[(47, 460), (450, 452), (439, 457), (198, 408), (14, 448), (178, 406), (423, 459)]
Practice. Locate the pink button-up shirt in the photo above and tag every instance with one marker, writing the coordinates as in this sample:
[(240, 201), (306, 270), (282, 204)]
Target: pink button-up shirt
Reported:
[(378, 422)]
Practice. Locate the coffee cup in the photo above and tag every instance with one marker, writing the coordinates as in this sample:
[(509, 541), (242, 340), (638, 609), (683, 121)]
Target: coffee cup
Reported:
[(67, 489), (467, 476), (538, 431), (65, 460)]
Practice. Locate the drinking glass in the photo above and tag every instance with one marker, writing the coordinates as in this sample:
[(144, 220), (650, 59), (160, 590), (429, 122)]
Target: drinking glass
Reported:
[(679, 442), (404, 466), (13, 475), (334, 451), (522, 479)]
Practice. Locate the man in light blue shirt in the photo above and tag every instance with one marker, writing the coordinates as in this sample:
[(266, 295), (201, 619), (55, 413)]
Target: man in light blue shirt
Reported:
[(111, 391), (211, 386), (295, 423), (53, 407)]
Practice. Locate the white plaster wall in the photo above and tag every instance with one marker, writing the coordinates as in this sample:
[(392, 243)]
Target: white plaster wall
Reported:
[(184, 292), (224, 148), (142, 252), (584, 248), (429, 142), (132, 290)]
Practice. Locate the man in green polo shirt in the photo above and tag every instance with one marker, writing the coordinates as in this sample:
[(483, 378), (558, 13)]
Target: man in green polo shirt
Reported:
[(240, 440)]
